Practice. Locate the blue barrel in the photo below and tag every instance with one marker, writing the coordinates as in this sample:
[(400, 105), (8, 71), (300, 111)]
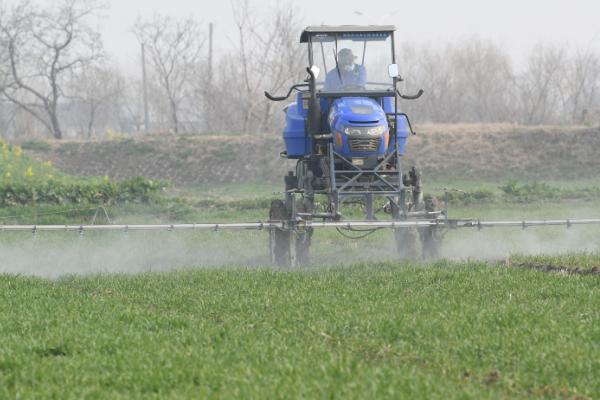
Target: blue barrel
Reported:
[(402, 131), (297, 143)]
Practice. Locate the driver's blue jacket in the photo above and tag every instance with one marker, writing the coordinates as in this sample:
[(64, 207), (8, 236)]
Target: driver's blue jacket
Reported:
[(358, 76)]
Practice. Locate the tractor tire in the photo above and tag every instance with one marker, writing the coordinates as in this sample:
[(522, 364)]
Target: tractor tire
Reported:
[(303, 238), (279, 239), (288, 248), (406, 243), (405, 238), (303, 241), (431, 237), (431, 241)]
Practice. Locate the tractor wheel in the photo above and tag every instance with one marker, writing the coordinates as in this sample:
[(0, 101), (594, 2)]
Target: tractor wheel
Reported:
[(431, 241), (431, 237), (303, 240), (279, 239), (288, 248), (406, 243), (406, 238)]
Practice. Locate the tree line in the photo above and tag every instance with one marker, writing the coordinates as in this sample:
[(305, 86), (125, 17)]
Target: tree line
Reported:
[(57, 80), (476, 81)]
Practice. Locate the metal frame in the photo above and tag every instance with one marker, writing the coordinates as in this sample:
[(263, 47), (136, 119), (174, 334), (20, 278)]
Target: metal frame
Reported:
[(344, 183), (306, 35), (362, 93), (305, 224)]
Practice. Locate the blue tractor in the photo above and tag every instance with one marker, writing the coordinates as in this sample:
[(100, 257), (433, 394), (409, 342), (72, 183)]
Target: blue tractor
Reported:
[(347, 135)]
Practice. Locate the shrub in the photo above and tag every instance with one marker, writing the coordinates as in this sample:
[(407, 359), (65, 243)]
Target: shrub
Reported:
[(469, 198), (70, 191), (514, 191), (25, 181), (530, 191), (35, 145)]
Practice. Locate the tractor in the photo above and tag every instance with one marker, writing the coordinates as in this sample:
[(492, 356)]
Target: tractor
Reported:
[(347, 136)]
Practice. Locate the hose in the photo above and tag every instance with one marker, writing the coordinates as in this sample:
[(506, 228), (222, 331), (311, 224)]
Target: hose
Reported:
[(366, 234)]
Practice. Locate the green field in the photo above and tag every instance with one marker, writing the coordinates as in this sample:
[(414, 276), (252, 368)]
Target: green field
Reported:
[(507, 314), (443, 331)]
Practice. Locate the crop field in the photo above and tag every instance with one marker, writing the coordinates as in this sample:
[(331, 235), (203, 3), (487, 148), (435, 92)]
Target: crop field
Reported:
[(195, 204), (353, 324), (378, 330), (505, 314)]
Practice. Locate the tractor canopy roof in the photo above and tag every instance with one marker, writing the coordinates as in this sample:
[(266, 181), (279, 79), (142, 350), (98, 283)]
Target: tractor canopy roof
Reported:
[(363, 31)]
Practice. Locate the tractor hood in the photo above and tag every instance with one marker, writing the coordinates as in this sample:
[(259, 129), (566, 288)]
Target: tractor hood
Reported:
[(355, 111), (359, 126)]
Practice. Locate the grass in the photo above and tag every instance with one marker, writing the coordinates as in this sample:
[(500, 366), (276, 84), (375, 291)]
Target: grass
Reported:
[(370, 331), (354, 324)]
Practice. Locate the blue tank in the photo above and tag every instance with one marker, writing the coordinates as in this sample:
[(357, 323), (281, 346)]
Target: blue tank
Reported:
[(359, 126), (297, 141), (402, 130)]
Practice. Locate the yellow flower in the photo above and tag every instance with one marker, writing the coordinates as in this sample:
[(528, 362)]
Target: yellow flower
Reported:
[(8, 174), (48, 163), (29, 172), (106, 179), (18, 151)]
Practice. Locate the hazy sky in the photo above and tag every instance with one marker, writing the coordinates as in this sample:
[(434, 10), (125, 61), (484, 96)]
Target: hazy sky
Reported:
[(517, 24)]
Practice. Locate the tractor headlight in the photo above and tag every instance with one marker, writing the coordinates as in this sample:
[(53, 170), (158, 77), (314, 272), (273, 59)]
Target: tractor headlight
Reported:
[(376, 130), (353, 131), (372, 131)]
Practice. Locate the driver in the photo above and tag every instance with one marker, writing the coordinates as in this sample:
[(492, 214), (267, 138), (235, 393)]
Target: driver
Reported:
[(346, 73)]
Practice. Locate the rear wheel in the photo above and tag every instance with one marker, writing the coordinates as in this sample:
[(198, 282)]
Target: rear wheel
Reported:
[(431, 237), (406, 243), (279, 239), (405, 238), (431, 241), (288, 247), (302, 244)]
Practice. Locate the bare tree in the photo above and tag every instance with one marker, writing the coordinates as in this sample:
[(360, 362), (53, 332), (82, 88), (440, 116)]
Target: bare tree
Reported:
[(267, 55), (45, 48), (93, 90), (128, 104), (52, 75), (483, 75), (580, 85), (539, 85), (428, 68), (175, 48), (466, 82)]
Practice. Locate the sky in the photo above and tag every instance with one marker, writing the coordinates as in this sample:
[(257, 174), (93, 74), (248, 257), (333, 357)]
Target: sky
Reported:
[(515, 24)]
